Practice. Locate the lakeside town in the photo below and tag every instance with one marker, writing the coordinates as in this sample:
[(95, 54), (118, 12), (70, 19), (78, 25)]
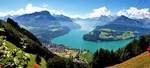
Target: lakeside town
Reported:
[(78, 55)]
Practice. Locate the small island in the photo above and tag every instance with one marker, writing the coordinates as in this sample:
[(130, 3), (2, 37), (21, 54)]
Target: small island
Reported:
[(105, 34)]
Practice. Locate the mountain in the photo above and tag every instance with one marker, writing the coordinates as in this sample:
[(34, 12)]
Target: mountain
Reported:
[(5, 17), (105, 18), (66, 21), (21, 49), (125, 21), (45, 19), (37, 19), (46, 26), (42, 24), (146, 22), (126, 24), (93, 22), (120, 28)]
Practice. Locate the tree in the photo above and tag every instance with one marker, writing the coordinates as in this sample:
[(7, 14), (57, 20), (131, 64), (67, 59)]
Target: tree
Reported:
[(38, 59)]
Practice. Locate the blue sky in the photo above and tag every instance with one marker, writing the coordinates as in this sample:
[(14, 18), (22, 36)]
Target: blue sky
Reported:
[(76, 7)]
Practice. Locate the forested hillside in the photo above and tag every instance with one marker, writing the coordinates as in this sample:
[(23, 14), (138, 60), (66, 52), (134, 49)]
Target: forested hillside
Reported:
[(103, 57)]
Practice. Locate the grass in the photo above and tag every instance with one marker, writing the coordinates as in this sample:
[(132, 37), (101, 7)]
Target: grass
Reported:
[(31, 63), (140, 61), (10, 46), (2, 29), (87, 56)]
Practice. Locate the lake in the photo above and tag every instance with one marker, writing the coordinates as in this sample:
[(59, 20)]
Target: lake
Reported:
[(74, 40)]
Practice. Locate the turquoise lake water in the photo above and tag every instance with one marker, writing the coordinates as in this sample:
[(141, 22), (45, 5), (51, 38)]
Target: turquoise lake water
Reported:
[(74, 40)]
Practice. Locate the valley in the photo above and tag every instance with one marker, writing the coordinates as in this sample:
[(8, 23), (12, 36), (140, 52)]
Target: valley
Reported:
[(61, 41), (75, 34)]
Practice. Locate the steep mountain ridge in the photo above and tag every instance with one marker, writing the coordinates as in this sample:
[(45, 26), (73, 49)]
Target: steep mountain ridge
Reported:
[(118, 29), (43, 25), (37, 19), (46, 26)]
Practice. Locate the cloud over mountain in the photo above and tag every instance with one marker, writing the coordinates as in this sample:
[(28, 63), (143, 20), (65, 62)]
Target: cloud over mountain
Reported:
[(29, 8), (134, 12), (131, 12), (102, 11)]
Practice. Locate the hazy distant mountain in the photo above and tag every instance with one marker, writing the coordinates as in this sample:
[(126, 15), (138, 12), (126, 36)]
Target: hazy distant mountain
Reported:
[(145, 22), (104, 18), (93, 22), (66, 21), (6, 17)]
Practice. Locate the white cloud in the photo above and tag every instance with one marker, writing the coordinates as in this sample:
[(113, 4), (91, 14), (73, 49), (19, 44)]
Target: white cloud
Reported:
[(131, 12), (134, 12), (121, 12), (100, 11), (29, 8)]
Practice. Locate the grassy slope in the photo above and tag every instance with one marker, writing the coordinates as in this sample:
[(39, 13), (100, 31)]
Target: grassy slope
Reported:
[(32, 58), (11, 46), (140, 61)]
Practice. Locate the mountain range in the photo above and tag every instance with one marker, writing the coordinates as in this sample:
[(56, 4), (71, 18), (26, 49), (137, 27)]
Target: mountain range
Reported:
[(46, 26), (94, 21), (20, 48), (37, 19), (45, 19), (127, 24), (117, 28)]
